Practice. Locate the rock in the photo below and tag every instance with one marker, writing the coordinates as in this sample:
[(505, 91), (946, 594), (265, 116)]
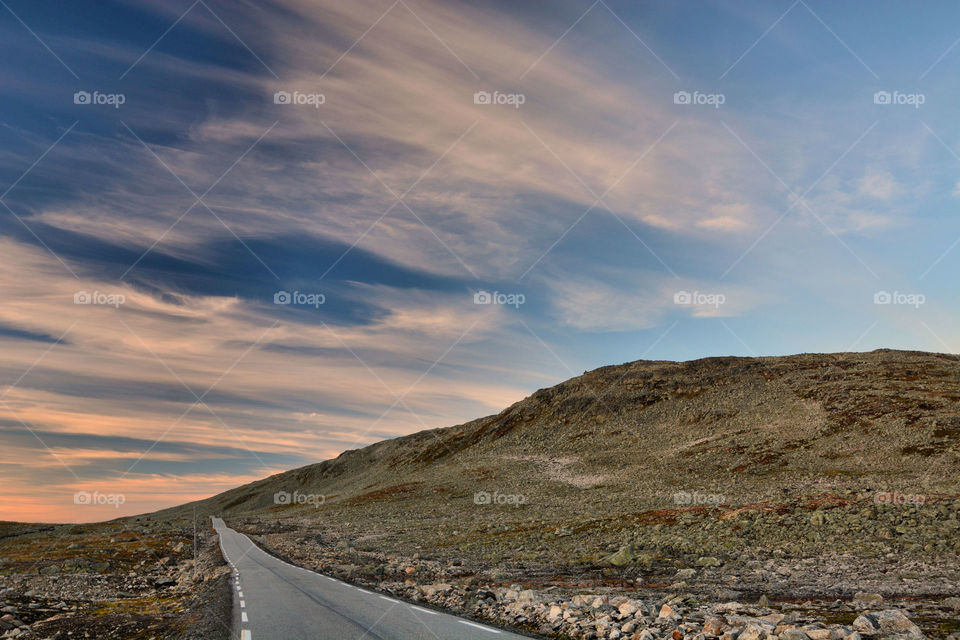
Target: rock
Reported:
[(707, 561), (667, 613), (77, 564), (581, 600), (628, 608), (727, 607), (952, 603), (686, 574), (818, 634), (865, 624), (867, 600), (556, 611), (714, 626), (794, 634), (624, 556), (895, 621), (430, 590), (753, 632), (764, 601)]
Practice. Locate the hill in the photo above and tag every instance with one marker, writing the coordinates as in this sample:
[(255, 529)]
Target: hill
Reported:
[(627, 438)]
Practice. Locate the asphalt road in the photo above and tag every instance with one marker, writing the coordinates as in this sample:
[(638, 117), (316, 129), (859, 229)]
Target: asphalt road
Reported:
[(274, 600)]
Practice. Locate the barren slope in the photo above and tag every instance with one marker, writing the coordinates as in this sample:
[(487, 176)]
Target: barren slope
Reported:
[(626, 438)]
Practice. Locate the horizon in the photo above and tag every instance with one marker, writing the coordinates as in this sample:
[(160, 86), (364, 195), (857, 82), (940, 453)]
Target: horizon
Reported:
[(243, 239)]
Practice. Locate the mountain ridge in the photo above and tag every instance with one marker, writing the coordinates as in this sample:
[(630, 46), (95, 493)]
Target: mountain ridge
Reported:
[(710, 406)]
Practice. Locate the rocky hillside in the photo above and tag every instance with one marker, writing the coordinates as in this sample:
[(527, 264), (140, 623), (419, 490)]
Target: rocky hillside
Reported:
[(627, 438)]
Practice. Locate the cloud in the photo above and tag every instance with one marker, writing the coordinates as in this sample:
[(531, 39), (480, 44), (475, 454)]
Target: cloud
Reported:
[(879, 185), (118, 391), (303, 176), (644, 301)]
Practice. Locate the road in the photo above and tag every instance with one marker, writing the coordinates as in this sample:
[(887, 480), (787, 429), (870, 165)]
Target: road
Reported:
[(274, 600)]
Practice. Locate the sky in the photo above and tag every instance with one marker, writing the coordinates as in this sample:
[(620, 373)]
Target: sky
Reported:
[(241, 237)]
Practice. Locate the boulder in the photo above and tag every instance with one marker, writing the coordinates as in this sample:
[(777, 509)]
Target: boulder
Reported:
[(864, 600), (622, 557), (714, 626), (629, 607), (667, 613), (866, 624), (430, 590), (894, 621), (753, 632)]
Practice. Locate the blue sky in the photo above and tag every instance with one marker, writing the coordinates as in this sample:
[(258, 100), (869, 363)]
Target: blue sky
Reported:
[(804, 199)]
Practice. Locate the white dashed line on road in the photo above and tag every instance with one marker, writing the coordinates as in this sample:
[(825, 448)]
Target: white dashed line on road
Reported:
[(243, 617), (479, 626), (246, 635), (243, 604)]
